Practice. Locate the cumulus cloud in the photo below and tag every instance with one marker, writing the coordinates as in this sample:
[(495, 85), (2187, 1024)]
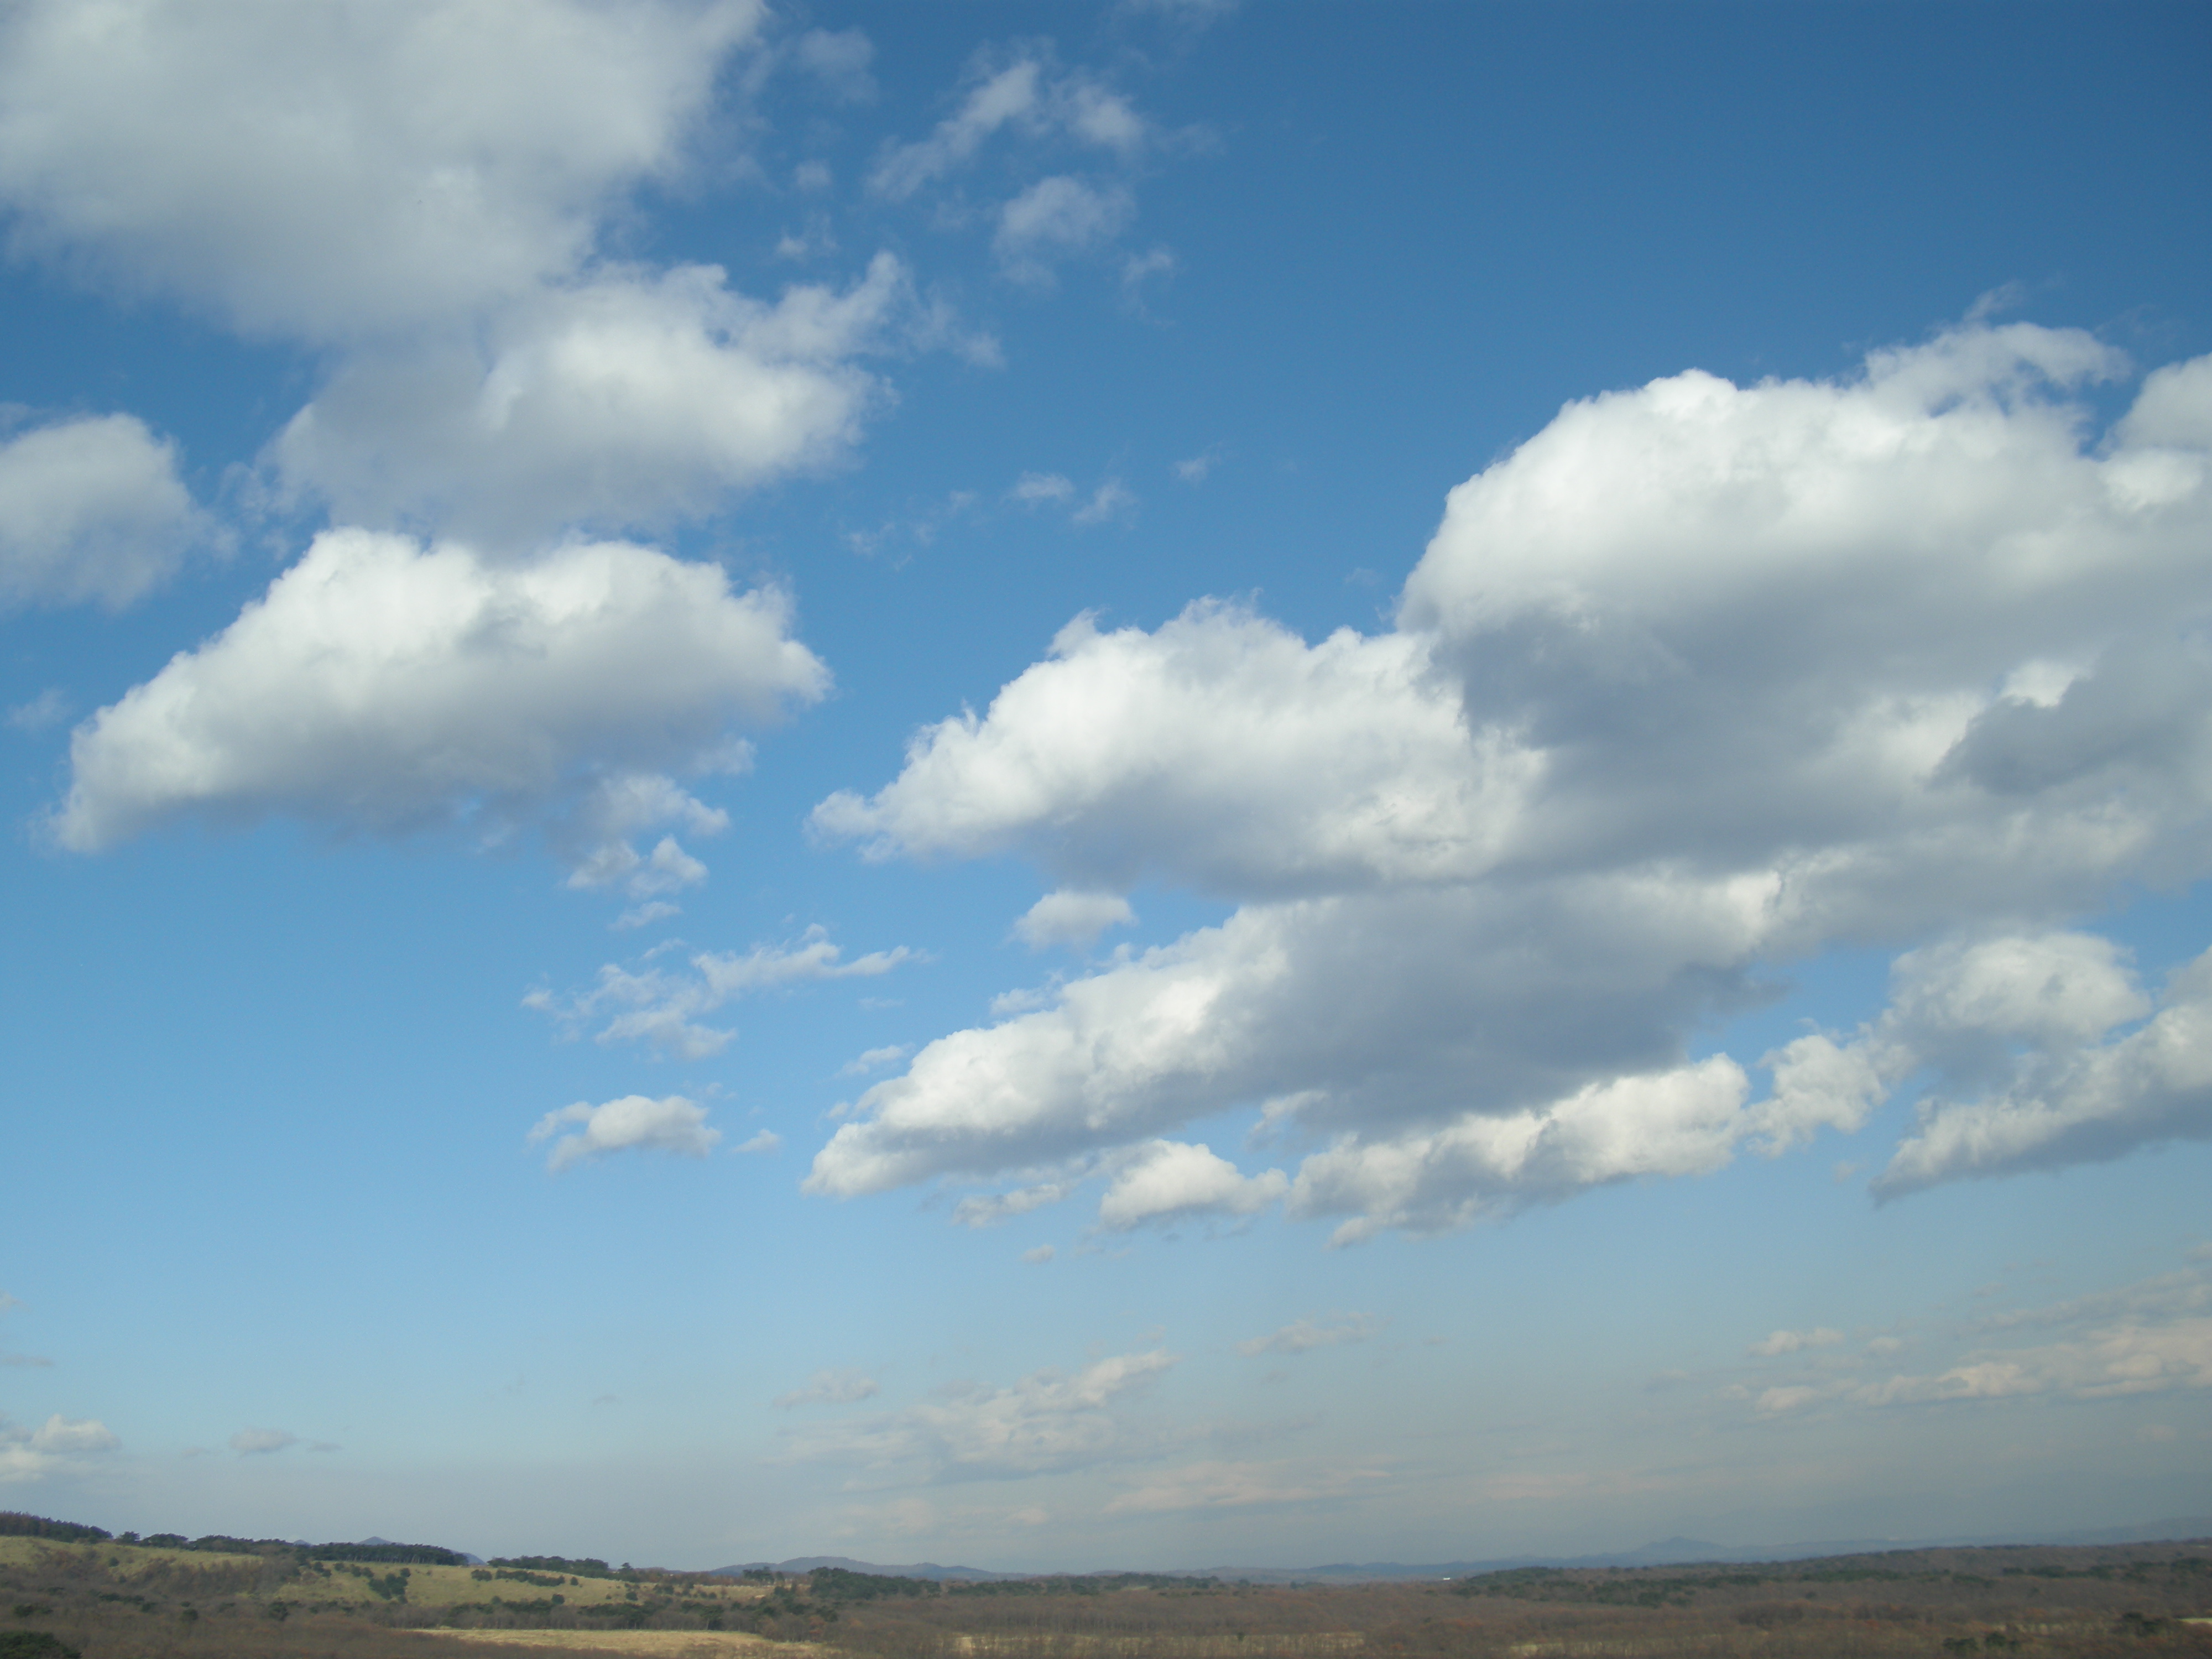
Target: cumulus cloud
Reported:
[(1049, 1422), (665, 1009), (1169, 1180), (420, 189), (633, 399), (831, 1389), (327, 171), (1302, 1335), (2063, 1088), (381, 687), (1701, 680), (54, 1447), (92, 510), (1065, 917), (584, 1131)]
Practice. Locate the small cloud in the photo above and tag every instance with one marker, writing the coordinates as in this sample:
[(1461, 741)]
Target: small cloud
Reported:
[(1109, 500), (1885, 1345), (641, 915), (1783, 1342), (606, 1400), (673, 1125), (1041, 1254), (1302, 1335), (1137, 267), (1195, 470), (1775, 1401), (30, 1360), (1170, 1180), (861, 1065), (2156, 1433), (813, 176), (989, 1209), (1844, 1172), (8, 1301), (323, 1446), (256, 1442), (1032, 488), (831, 1389), (48, 709), (1021, 1001), (840, 61), (766, 1141), (1067, 917)]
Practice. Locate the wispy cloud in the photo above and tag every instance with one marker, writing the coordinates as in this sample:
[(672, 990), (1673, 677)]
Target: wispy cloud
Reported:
[(1302, 1335), (665, 1009)]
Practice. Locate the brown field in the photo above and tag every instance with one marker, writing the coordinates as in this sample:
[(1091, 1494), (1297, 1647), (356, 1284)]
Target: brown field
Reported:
[(118, 1601)]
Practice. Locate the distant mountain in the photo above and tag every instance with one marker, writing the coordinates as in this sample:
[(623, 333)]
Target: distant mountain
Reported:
[(804, 1563), (1680, 1551)]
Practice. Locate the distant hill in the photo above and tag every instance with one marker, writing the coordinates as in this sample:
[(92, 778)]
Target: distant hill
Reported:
[(1664, 1553), (805, 1564), (1677, 1551)]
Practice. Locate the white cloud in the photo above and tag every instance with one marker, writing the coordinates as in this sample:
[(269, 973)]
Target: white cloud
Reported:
[(1039, 1255), (1047, 1423), (420, 188), (44, 712), (331, 170), (1700, 680), (665, 1009), (92, 510), (1026, 95), (831, 1389), (1110, 499), (2055, 1099), (1054, 218), (840, 60), (1781, 1342), (1304, 1335), (632, 399), (1196, 469), (674, 1125), (761, 1143), (1344, 763), (382, 688), (1168, 1180), (1034, 487), (1067, 917), (250, 1443), (28, 1454), (872, 1060)]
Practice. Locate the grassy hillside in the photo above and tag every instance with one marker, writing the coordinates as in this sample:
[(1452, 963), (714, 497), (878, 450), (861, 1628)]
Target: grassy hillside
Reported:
[(110, 1599)]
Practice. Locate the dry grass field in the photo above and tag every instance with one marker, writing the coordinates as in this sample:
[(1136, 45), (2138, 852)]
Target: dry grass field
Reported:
[(108, 1601)]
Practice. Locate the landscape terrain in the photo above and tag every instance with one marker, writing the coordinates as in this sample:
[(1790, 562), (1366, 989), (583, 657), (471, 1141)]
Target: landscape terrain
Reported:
[(75, 1591)]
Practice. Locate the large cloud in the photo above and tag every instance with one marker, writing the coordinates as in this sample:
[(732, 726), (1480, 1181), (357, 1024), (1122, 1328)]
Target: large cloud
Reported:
[(632, 399), (422, 189), (1701, 678), (92, 509), (330, 170), (382, 687)]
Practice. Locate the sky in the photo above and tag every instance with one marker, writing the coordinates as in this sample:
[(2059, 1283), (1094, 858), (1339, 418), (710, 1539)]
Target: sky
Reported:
[(1116, 786)]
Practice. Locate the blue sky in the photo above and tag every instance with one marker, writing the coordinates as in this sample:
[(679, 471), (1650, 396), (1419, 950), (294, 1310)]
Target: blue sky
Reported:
[(1071, 786)]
